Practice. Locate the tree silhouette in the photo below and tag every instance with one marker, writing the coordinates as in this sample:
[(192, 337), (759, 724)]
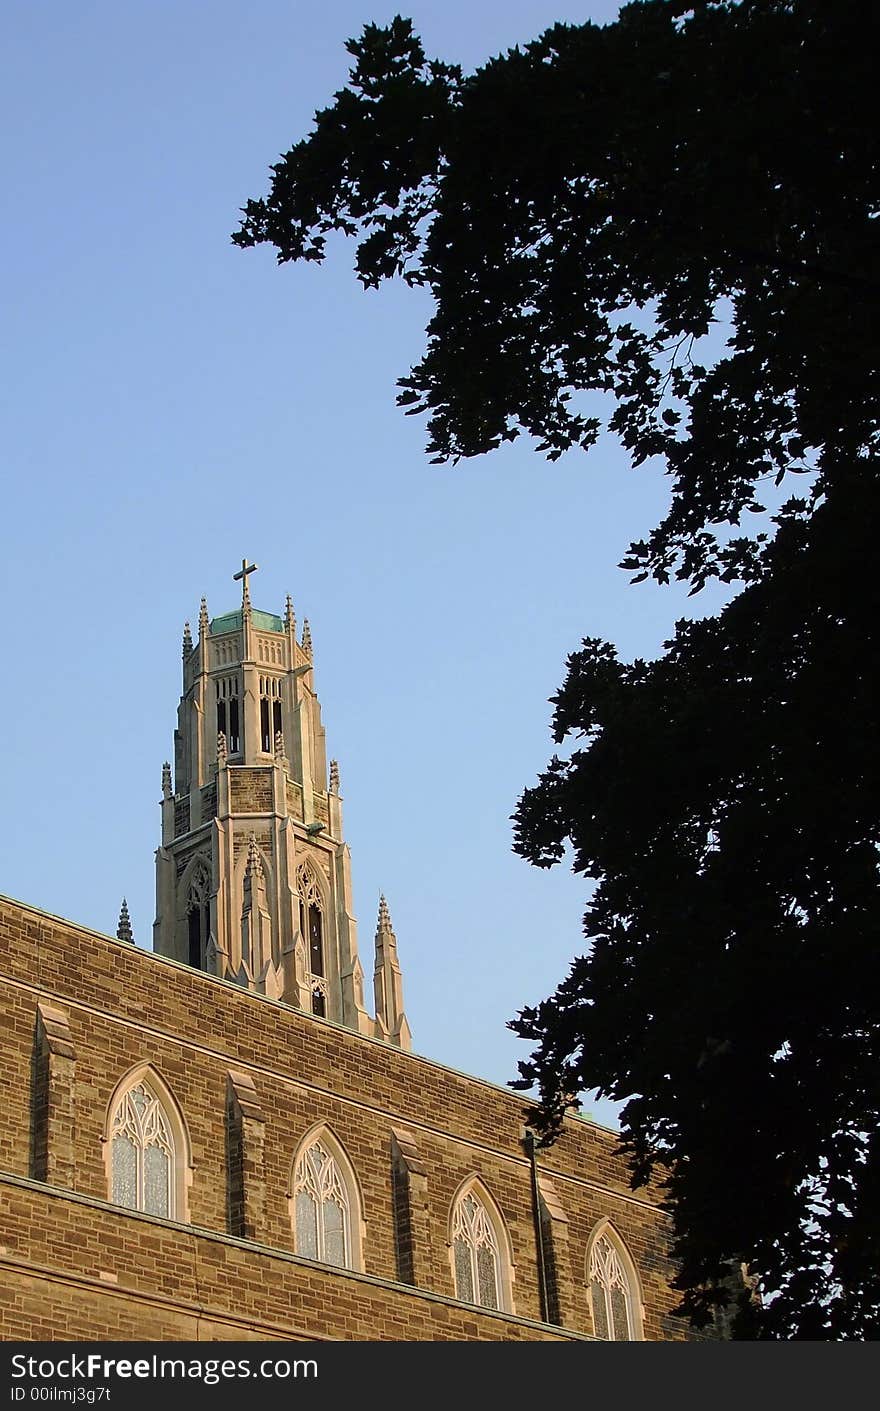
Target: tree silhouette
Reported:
[(586, 212)]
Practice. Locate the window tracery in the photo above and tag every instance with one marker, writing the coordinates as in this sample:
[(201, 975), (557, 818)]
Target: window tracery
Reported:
[(142, 1153), (612, 1297), (476, 1253), (322, 1208)]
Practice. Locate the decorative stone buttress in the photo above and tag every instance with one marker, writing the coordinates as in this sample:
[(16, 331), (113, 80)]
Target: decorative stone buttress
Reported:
[(253, 877)]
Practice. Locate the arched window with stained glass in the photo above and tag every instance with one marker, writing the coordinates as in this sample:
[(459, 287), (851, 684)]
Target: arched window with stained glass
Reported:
[(325, 1206), (478, 1253), (142, 1153), (613, 1297)]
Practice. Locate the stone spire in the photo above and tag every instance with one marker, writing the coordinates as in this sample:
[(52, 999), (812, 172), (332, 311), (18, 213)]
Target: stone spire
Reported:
[(289, 617), (307, 638), (334, 777), (203, 619), (391, 1021), (187, 640), (166, 780), (123, 925), (222, 748)]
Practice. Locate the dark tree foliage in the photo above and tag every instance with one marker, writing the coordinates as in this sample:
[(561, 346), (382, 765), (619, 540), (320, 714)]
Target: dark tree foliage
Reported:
[(726, 799), (584, 212)]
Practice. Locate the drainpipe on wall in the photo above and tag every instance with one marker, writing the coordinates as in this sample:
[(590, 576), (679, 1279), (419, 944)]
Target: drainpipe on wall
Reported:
[(530, 1143)]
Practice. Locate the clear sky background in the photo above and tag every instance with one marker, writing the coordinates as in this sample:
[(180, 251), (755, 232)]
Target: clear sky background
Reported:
[(171, 403)]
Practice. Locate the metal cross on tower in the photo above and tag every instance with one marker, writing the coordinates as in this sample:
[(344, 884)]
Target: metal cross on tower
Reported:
[(246, 568)]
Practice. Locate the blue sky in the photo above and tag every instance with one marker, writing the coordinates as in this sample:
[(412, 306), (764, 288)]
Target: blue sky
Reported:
[(171, 403)]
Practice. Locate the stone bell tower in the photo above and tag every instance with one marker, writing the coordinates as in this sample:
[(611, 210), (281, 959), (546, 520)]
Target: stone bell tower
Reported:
[(253, 877)]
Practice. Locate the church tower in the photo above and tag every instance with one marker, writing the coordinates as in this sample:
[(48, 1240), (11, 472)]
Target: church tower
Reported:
[(253, 876)]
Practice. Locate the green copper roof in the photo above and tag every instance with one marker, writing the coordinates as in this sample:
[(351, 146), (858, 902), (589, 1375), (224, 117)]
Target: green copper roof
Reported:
[(231, 622)]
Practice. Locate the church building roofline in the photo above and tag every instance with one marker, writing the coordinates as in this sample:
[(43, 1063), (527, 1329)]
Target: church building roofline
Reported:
[(248, 994)]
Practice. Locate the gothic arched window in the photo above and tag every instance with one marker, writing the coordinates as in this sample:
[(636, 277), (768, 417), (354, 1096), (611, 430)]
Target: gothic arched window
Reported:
[(227, 712), (477, 1254), (198, 915), (144, 1155), (613, 1298), (325, 1205), (270, 712), (311, 925)]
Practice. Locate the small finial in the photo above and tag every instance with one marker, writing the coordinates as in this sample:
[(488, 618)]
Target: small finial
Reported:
[(203, 618), (123, 926), (279, 745), (187, 640), (221, 748), (384, 923), (334, 777), (166, 780), (254, 865), (289, 617), (307, 637)]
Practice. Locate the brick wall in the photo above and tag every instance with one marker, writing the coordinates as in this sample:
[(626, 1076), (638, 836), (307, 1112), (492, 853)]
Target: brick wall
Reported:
[(77, 1269), (250, 790), (294, 799), (209, 802), (252, 1077)]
